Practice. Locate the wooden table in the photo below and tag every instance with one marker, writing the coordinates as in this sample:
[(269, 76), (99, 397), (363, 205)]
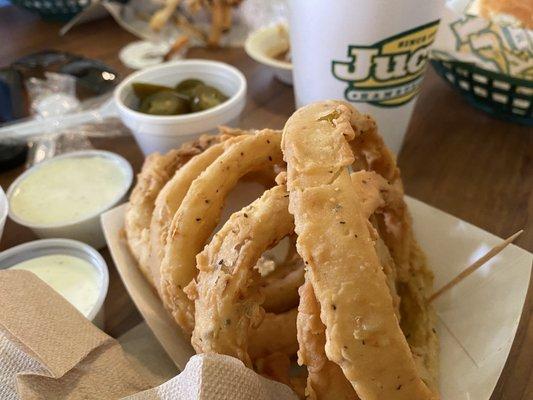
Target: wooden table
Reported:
[(455, 158)]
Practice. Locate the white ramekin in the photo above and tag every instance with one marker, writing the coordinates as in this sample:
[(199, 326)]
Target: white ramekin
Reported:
[(4, 207), (263, 43), (45, 247), (164, 132), (88, 229)]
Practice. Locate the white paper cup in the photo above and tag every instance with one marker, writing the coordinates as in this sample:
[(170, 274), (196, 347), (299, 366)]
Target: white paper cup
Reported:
[(371, 53)]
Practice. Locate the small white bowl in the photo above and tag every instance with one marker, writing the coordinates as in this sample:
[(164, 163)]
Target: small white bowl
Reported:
[(165, 132), (39, 248), (88, 229), (265, 43), (4, 207)]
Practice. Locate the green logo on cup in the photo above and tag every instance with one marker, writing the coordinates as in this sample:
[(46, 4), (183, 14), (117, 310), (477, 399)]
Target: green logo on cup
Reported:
[(387, 73)]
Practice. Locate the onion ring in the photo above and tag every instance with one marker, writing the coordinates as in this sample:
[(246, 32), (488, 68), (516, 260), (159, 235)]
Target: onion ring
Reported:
[(277, 333), (227, 300), (199, 213), (280, 285), (363, 335), (325, 379), (170, 198), (155, 173), (280, 288), (167, 203), (226, 303), (415, 279)]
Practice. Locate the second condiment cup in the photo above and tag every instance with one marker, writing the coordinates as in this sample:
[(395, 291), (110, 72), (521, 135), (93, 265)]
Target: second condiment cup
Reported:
[(87, 229)]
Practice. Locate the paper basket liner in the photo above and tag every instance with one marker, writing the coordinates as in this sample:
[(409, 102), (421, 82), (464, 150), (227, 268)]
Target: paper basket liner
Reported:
[(478, 318)]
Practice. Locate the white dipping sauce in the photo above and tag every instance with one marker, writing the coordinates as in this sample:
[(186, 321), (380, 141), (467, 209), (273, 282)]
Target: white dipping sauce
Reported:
[(75, 279), (68, 190)]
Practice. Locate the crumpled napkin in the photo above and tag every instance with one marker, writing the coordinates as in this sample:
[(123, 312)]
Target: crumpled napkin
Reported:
[(48, 350), (214, 376)]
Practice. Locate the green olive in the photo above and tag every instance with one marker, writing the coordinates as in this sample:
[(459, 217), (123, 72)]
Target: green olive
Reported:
[(165, 102), (206, 97), (143, 90), (187, 86)]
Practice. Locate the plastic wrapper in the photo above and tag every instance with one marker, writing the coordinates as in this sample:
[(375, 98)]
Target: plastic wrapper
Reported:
[(58, 134), (466, 36), (54, 95)]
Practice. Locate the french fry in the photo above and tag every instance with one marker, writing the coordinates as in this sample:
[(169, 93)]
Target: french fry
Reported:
[(160, 18)]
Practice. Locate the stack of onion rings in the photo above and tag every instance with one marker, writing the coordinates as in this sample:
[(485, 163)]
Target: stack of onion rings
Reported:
[(360, 321)]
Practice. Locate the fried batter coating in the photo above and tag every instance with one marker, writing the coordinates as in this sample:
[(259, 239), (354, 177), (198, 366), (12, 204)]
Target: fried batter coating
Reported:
[(277, 333), (170, 198), (155, 173), (280, 288), (325, 379), (199, 214), (227, 296), (363, 334), (394, 224)]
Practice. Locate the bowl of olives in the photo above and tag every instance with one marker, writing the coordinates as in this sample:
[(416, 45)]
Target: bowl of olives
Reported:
[(177, 101)]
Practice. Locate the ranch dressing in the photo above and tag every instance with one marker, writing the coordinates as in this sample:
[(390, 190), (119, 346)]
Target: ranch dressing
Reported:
[(68, 190), (75, 279)]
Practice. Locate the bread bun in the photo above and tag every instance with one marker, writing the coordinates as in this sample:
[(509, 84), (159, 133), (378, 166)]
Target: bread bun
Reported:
[(515, 13)]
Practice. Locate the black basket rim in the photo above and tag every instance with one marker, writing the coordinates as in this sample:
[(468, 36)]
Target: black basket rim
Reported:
[(491, 74)]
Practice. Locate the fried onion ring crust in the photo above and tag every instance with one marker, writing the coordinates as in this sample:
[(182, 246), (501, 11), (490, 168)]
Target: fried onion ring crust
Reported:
[(281, 287), (277, 333), (325, 380), (169, 199), (227, 296), (155, 173), (199, 214), (363, 335), (414, 277)]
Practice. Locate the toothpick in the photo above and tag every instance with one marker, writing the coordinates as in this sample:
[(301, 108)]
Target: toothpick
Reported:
[(477, 264)]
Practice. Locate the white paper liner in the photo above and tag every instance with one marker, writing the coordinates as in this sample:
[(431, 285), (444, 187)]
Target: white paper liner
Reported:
[(477, 319)]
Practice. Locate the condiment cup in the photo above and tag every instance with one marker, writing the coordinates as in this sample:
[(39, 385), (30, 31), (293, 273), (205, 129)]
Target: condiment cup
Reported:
[(165, 132), (265, 43), (87, 229), (4, 207), (45, 247)]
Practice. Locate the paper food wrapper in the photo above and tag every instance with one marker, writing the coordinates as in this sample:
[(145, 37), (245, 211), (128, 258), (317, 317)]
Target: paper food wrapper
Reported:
[(48, 350), (134, 16), (465, 36), (477, 319)]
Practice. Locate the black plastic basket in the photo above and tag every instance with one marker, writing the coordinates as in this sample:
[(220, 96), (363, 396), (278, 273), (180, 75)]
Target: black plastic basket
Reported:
[(498, 94), (55, 10)]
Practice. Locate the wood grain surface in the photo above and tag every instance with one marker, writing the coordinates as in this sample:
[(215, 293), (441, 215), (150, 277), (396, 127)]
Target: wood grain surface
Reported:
[(455, 158)]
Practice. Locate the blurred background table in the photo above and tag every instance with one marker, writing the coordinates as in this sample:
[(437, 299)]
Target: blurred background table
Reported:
[(455, 158)]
